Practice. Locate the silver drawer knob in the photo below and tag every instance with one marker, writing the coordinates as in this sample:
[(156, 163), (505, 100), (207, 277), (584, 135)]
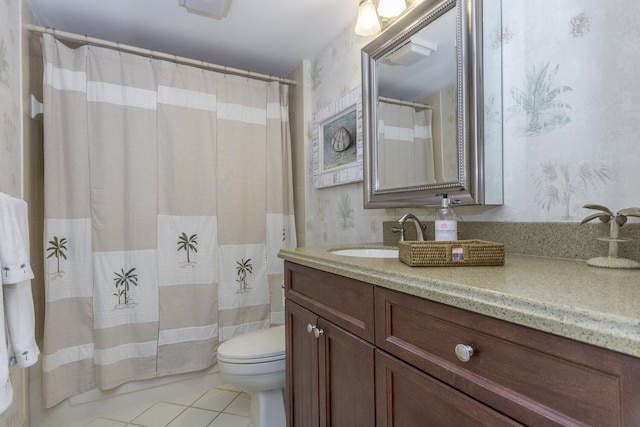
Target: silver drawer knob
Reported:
[(310, 327), (464, 352), (318, 332)]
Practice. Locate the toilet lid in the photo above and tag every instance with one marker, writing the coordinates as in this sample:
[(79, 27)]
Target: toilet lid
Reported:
[(258, 346)]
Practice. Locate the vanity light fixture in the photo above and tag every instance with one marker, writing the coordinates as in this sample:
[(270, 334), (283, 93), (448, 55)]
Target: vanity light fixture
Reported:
[(391, 8), (368, 22)]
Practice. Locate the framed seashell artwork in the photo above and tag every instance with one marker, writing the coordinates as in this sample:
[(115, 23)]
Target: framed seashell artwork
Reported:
[(337, 141)]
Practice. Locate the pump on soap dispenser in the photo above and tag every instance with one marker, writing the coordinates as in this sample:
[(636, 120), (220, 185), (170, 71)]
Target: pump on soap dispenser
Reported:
[(446, 223)]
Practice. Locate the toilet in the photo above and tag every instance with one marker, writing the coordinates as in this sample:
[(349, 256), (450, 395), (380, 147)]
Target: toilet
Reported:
[(255, 363)]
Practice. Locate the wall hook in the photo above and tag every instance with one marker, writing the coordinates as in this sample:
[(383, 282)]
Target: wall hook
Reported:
[(35, 107)]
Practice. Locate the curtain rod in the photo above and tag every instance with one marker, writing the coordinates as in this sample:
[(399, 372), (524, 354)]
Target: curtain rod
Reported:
[(405, 103), (155, 54)]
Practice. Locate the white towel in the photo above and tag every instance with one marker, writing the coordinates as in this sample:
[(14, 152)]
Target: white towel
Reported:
[(14, 240), (17, 319)]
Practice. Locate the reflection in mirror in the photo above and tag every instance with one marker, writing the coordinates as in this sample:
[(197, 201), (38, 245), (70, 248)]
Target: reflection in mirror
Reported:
[(417, 104), (423, 103)]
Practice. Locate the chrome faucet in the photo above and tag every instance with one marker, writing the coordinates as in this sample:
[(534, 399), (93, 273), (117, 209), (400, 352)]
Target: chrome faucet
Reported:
[(421, 234)]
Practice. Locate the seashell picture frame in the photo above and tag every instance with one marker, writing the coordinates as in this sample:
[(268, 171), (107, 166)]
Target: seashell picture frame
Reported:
[(337, 141)]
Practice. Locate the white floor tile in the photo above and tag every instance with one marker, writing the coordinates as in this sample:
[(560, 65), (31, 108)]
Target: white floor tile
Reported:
[(193, 410), (215, 400), (240, 405), (187, 399), (194, 417), (229, 420), (103, 422), (229, 387), (159, 415), (80, 423), (127, 415)]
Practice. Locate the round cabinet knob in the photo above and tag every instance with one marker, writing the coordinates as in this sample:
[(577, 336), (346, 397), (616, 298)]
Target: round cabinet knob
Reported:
[(310, 327), (318, 332), (464, 352)]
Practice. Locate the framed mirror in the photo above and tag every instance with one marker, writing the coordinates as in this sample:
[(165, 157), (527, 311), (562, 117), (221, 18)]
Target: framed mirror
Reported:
[(427, 81)]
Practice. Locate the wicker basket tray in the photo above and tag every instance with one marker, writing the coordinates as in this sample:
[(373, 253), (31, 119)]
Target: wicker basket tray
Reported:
[(461, 253)]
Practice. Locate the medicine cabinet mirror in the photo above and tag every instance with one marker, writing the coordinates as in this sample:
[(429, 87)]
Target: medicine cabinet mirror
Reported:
[(432, 107)]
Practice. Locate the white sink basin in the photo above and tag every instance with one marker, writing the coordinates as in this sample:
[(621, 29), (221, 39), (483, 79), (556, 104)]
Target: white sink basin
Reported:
[(367, 252)]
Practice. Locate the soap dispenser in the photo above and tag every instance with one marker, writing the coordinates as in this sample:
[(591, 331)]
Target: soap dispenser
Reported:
[(446, 221)]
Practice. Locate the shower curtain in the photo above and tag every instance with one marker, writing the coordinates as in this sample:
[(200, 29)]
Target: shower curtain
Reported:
[(167, 196), (405, 138)]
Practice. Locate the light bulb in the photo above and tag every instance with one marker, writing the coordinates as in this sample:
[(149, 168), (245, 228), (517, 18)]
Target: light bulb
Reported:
[(367, 23), (391, 8)]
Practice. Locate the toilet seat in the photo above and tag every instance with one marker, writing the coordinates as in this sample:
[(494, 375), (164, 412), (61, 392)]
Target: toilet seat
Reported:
[(262, 346)]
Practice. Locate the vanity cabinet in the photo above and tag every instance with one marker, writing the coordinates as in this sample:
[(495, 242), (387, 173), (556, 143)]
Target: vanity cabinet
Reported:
[(330, 355), (385, 358), (533, 377)]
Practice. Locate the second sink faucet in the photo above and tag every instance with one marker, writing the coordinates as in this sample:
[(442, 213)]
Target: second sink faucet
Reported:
[(421, 234)]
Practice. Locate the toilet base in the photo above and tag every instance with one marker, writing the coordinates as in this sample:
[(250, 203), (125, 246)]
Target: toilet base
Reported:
[(267, 409)]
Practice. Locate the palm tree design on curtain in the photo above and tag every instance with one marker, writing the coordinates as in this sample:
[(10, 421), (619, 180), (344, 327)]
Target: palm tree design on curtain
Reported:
[(123, 280), (188, 244), (538, 102), (243, 268), (57, 249)]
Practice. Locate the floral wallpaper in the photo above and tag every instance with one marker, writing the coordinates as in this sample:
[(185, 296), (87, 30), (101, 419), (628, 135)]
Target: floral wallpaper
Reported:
[(536, 102), (10, 151), (568, 75), (335, 214), (570, 118), (11, 159)]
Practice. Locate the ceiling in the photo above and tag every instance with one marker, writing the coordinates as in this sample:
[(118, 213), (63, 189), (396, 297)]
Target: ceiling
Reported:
[(264, 36)]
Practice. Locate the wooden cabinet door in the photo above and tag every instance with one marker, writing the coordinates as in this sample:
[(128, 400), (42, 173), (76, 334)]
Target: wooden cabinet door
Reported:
[(302, 367), (407, 397), (347, 387)]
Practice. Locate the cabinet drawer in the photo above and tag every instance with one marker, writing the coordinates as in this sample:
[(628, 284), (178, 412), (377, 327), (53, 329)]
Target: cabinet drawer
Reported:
[(346, 302), (407, 397), (531, 376)]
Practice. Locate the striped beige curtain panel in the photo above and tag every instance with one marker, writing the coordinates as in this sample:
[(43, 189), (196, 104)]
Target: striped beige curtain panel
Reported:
[(167, 196), (415, 138), (405, 138)]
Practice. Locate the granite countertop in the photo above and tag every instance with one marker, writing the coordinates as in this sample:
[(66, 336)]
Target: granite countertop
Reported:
[(565, 297)]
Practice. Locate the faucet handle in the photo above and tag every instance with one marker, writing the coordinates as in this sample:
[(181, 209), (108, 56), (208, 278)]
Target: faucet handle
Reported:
[(399, 230)]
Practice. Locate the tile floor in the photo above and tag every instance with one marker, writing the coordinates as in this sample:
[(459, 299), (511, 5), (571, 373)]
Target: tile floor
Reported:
[(224, 406)]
